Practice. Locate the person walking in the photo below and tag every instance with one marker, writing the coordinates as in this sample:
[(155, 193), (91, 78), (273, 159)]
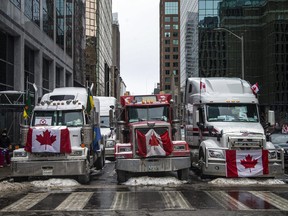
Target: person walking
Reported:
[(5, 146)]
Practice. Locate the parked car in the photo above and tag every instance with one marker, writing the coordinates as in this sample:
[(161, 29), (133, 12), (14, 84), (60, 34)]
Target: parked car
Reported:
[(280, 140)]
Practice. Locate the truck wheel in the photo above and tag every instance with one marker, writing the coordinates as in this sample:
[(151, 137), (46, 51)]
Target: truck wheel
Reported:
[(100, 162), (84, 179), (201, 162), (121, 176), (183, 174)]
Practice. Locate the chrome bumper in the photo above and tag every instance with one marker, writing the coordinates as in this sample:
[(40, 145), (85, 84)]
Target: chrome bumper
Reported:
[(49, 168), (153, 164)]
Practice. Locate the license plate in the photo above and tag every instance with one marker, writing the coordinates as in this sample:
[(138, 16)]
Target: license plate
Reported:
[(153, 168), (47, 171)]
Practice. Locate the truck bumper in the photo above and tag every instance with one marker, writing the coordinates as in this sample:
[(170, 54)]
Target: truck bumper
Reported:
[(48, 168), (109, 152), (153, 164), (219, 169)]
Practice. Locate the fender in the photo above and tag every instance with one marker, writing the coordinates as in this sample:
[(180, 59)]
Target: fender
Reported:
[(270, 146), (209, 143)]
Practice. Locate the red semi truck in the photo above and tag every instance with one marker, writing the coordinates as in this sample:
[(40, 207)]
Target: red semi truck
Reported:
[(149, 137)]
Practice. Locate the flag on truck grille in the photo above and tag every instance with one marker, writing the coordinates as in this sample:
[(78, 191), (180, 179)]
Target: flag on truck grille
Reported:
[(52, 139), (153, 144), (246, 163)]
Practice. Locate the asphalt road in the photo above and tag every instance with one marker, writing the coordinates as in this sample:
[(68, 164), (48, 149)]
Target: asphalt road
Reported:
[(103, 196)]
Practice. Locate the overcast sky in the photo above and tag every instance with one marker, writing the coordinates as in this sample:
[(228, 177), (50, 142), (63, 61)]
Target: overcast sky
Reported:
[(139, 44)]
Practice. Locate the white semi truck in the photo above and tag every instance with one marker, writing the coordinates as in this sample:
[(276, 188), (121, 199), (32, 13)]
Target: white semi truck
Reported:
[(222, 114), (107, 124), (62, 138)]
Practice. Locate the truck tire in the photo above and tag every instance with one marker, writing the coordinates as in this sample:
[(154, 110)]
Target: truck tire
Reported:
[(201, 162), (183, 174), (121, 176), (100, 162), (84, 179)]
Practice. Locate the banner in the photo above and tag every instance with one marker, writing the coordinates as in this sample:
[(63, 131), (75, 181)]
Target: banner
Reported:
[(246, 163), (54, 140), (153, 144)]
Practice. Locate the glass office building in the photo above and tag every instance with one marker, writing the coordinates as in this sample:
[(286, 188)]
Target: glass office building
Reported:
[(262, 25)]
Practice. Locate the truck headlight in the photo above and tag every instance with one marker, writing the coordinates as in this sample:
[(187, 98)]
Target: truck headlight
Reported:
[(273, 154), (215, 154), (110, 143), (19, 154), (76, 153)]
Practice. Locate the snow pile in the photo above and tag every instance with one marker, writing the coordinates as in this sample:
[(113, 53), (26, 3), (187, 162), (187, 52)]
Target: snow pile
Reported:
[(147, 181), (245, 181), (55, 183), (6, 186)]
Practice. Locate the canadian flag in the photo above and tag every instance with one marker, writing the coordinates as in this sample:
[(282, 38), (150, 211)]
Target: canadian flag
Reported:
[(246, 163), (153, 144), (255, 88), (52, 139), (202, 86)]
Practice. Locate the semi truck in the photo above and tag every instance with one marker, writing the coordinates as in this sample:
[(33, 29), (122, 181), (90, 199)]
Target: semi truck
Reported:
[(62, 138), (108, 107), (149, 138), (222, 119)]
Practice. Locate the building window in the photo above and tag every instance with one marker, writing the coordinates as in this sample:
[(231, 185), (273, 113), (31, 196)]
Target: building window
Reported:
[(167, 49), (167, 56), (175, 49), (175, 64), (6, 62), (167, 87), (175, 34), (175, 57), (175, 42), (167, 41), (175, 19), (167, 19), (171, 7), (58, 77), (17, 3), (60, 23), (167, 79), (167, 27), (32, 10), (28, 67), (48, 20), (69, 17), (167, 64), (167, 34), (167, 72), (175, 26), (45, 80)]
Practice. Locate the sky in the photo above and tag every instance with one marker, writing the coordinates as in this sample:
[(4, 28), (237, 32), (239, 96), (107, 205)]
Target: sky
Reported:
[(139, 43)]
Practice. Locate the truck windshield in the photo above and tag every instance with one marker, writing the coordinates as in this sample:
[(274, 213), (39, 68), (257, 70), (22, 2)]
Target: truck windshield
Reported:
[(136, 114), (232, 112), (69, 118)]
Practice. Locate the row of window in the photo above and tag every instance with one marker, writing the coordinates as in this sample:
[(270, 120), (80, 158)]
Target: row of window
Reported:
[(174, 42), (167, 49), (167, 64), (168, 57), (174, 19), (168, 26), (168, 34)]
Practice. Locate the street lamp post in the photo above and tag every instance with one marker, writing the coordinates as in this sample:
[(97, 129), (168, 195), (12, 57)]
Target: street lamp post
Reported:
[(241, 38)]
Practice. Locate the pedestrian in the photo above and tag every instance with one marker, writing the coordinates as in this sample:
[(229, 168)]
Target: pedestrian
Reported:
[(5, 146)]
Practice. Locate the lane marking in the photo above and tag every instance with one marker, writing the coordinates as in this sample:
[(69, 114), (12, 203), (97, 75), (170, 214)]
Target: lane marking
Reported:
[(75, 201), (124, 201), (175, 200), (273, 199), (227, 201), (26, 202)]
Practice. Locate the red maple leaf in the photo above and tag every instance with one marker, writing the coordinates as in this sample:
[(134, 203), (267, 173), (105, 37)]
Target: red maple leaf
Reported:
[(249, 163), (46, 139), (153, 140)]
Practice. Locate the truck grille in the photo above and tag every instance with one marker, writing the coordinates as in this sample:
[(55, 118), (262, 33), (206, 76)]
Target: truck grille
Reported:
[(246, 144), (47, 156), (159, 130)]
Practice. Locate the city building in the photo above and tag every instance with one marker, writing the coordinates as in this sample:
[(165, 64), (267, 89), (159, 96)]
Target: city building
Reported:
[(99, 45), (41, 43), (247, 39), (170, 48)]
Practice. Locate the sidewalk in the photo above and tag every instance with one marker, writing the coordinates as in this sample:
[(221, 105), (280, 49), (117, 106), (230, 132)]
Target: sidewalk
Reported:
[(5, 173)]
